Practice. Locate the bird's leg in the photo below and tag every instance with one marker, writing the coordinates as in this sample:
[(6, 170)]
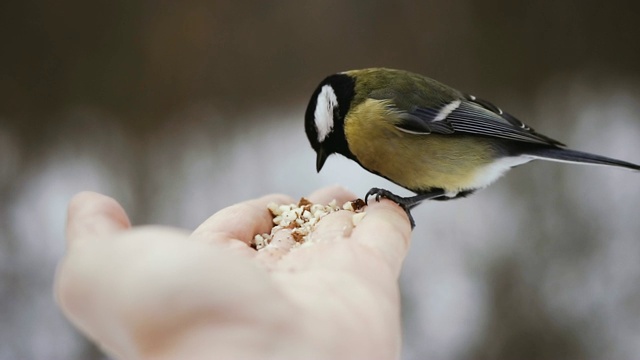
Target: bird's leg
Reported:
[(406, 203)]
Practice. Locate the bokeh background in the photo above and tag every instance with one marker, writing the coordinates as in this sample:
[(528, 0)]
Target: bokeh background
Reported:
[(178, 109)]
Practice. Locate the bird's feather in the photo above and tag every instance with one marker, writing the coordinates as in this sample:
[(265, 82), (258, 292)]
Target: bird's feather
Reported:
[(469, 115)]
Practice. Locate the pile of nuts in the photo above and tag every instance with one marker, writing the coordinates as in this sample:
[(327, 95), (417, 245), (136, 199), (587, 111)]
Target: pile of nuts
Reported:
[(302, 218)]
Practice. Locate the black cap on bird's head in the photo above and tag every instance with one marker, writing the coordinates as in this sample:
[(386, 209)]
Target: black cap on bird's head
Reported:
[(324, 118)]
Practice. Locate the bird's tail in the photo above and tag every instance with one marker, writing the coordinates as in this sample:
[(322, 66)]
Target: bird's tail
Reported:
[(577, 157)]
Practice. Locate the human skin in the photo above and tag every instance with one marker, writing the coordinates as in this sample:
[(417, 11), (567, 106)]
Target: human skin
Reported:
[(154, 292)]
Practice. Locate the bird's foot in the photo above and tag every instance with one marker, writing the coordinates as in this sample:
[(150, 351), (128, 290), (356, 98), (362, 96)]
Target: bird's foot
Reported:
[(405, 203)]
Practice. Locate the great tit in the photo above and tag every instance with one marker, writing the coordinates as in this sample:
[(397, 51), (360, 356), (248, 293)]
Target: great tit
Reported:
[(423, 135)]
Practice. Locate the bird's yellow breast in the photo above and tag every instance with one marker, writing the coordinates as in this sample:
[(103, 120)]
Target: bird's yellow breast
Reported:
[(417, 162)]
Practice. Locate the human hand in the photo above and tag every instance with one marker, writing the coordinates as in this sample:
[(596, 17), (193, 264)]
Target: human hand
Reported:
[(162, 293)]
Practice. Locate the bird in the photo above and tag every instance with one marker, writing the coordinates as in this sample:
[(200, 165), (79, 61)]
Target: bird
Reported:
[(427, 137)]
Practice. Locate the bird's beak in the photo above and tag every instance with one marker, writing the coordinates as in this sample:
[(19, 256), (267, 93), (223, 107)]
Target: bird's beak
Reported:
[(322, 157)]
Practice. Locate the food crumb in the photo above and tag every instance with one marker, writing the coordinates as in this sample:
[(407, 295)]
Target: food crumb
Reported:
[(357, 217), (302, 218)]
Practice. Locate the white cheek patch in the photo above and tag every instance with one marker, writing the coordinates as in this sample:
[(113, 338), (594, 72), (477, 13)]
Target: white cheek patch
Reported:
[(323, 115)]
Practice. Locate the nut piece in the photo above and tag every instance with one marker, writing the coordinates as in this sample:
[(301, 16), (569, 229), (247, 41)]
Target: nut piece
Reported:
[(298, 235), (303, 218), (358, 204), (304, 201), (274, 209)]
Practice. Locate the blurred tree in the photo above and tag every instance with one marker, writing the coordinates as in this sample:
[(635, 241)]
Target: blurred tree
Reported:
[(143, 60)]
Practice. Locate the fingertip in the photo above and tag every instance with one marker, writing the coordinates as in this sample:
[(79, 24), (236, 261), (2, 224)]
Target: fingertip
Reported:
[(392, 213), (93, 214), (80, 200)]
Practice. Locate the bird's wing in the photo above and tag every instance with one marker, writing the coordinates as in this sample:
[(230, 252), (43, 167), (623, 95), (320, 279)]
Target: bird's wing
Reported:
[(469, 115)]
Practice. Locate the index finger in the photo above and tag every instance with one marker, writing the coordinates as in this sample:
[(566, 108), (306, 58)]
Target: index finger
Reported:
[(386, 228)]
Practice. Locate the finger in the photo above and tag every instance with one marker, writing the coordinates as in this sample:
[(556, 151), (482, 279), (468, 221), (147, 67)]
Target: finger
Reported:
[(241, 221), (103, 286), (327, 194), (385, 227), (94, 215)]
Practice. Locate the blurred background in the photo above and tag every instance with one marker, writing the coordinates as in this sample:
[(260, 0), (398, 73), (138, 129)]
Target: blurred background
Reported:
[(178, 109)]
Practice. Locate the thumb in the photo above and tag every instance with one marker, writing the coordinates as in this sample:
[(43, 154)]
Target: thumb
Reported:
[(93, 215)]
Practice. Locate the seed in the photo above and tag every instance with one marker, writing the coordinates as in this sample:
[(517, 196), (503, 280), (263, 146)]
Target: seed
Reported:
[(303, 218), (333, 203), (289, 215), (284, 208), (316, 207), (274, 209)]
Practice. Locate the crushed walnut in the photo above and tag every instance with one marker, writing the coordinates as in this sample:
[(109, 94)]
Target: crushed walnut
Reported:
[(303, 217)]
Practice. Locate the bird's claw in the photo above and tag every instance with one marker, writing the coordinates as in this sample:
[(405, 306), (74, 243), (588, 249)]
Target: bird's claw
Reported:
[(382, 193)]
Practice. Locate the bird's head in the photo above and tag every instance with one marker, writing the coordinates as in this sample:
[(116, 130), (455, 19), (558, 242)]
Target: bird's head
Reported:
[(325, 115)]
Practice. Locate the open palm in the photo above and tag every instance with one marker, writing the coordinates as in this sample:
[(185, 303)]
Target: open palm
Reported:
[(162, 293)]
